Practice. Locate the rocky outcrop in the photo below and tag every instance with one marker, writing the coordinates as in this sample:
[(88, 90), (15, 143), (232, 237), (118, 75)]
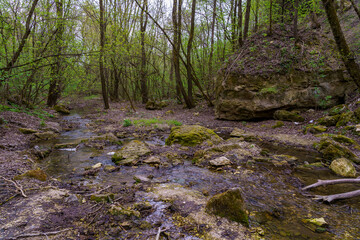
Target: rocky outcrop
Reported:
[(245, 97), (192, 135), (61, 109)]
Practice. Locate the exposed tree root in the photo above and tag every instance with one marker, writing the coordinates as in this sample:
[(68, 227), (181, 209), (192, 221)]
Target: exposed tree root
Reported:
[(17, 186)]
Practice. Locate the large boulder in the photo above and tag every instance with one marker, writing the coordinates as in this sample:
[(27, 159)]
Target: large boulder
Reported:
[(130, 153), (332, 150), (269, 73), (192, 135), (230, 205), (343, 167)]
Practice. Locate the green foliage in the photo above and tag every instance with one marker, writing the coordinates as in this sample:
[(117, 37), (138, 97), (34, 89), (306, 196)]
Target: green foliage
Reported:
[(37, 112), (127, 123), (149, 122), (269, 90)]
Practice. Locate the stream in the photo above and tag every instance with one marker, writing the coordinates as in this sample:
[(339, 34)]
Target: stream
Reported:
[(272, 194)]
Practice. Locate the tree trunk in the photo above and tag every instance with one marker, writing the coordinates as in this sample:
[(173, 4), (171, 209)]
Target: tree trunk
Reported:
[(256, 16), (295, 27), (270, 18), (188, 56), (347, 56), (101, 57), (212, 41), (57, 75), (355, 8), (240, 18), (143, 78), (247, 18)]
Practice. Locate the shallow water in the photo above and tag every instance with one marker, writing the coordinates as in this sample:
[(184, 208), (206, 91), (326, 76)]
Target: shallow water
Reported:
[(272, 194)]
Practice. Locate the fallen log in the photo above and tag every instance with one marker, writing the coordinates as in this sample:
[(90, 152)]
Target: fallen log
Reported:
[(331, 182)]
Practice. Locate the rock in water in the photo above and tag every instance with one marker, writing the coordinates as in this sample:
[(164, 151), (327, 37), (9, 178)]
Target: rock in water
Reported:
[(130, 153), (343, 167), (230, 205), (192, 135), (221, 161)]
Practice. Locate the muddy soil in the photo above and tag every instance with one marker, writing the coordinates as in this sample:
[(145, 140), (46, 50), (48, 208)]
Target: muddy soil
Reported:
[(166, 198)]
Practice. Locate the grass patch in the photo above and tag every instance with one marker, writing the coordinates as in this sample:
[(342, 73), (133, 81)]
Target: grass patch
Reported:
[(150, 122), (36, 112)]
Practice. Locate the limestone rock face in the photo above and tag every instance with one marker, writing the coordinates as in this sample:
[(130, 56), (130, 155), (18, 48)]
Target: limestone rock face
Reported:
[(244, 96), (343, 167), (130, 153), (230, 205), (191, 135)]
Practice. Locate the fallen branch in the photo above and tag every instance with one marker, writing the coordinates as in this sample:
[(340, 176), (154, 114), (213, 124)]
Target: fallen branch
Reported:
[(331, 182), (26, 235), (159, 232), (98, 192), (330, 198), (17, 186)]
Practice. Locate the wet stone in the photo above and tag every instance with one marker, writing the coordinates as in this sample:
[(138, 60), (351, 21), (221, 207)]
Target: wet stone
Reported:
[(221, 161)]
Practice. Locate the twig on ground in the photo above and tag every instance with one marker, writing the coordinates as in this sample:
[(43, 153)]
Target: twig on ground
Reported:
[(17, 185), (98, 192), (159, 232), (36, 234)]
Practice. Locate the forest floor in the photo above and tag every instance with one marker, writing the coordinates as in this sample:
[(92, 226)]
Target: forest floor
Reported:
[(169, 195)]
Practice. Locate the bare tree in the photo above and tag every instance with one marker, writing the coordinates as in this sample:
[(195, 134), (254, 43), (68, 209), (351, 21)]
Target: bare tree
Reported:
[(101, 56)]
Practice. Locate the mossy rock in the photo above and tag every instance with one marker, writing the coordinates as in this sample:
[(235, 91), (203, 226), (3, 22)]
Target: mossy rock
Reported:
[(284, 115), (339, 109), (46, 135), (314, 129), (332, 150), (191, 135), (357, 113), (130, 153), (345, 118), (278, 124), (119, 210), (154, 105), (35, 173), (230, 205), (67, 145), (109, 137), (343, 167), (61, 109), (102, 197), (343, 139), (27, 130), (329, 121)]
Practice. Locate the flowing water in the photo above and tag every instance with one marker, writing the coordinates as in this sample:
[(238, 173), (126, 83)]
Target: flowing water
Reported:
[(273, 194)]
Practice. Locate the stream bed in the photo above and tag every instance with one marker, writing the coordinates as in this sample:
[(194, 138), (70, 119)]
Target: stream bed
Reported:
[(273, 196)]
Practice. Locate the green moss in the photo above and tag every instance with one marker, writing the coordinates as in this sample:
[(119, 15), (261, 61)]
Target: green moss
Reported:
[(61, 109), (314, 129), (191, 135), (103, 197), (339, 109), (230, 205), (27, 130), (345, 118), (328, 121), (35, 173), (288, 116), (332, 150), (119, 210), (278, 124), (343, 167)]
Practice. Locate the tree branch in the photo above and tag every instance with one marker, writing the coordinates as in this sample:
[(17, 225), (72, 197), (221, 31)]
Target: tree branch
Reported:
[(331, 182)]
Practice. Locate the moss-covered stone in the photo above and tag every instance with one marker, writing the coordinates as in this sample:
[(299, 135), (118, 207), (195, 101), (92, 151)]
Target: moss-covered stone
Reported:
[(155, 105), (67, 145), (343, 139), (102, 197), (230, 205), (191, 135), (46, 135), (314, 129), (278, 124), (130, 153), (27, 130), (345, 118), (357, 113), (329, 121), (120, 210), (343, 167), (61, 109), (284, 115), (35, 173), (109, 137), (332, 150), (339, 109)]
